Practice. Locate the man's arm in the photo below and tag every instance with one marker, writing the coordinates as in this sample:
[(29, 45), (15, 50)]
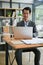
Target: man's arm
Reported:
[(35, 32)]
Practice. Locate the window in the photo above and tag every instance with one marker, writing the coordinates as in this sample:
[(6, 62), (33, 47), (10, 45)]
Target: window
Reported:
[(39, 19), (5, 5)]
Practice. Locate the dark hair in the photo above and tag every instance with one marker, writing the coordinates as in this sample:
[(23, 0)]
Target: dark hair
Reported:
[(27, 8)]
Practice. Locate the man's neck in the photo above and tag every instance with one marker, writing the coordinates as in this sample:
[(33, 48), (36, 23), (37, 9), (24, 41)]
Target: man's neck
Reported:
[(26, 20)]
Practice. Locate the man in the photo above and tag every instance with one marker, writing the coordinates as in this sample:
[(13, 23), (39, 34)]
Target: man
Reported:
[(25, 22)]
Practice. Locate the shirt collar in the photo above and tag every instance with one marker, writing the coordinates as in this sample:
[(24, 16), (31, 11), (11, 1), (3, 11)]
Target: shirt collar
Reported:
[(26, 23)]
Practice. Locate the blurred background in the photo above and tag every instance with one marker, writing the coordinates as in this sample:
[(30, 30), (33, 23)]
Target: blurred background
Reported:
[(10, 14)]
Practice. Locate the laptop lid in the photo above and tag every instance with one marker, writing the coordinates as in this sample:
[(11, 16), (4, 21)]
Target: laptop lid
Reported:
[(23, 32)]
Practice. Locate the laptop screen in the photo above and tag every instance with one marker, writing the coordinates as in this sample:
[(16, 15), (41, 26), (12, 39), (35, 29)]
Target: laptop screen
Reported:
[(23, 32)]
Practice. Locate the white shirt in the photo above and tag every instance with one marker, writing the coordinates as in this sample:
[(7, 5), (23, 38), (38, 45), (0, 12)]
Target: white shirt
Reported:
[(26, 23)]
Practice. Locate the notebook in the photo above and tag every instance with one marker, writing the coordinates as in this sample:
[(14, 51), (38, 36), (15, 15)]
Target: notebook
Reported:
[(33, 41), (23, 32)]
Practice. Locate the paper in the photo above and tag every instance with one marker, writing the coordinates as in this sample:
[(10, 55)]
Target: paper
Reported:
[(33, 41), (16, 42)]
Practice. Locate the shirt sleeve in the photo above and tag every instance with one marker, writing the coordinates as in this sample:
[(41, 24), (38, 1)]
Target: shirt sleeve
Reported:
[(35, 32)]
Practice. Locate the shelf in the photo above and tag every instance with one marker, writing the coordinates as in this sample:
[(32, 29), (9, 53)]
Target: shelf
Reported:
[(1, 12), (8, 12), (10, 17), (5, 17)]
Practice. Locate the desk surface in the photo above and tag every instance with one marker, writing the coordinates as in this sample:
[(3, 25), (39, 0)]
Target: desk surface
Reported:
[(20, 45)]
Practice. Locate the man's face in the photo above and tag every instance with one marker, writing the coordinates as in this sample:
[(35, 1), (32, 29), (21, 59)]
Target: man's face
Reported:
[(26, 15)]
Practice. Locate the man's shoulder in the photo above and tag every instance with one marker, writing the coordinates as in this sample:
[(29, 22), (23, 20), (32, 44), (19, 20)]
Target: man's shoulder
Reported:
[(32, 22), (20, 23)]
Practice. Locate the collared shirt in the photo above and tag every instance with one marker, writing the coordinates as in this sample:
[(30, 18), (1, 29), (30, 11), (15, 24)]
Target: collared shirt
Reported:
[(26, 23)]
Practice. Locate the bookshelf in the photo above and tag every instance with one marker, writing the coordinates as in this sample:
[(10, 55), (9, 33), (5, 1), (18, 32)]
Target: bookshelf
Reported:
[(9, 12), (6, 14)]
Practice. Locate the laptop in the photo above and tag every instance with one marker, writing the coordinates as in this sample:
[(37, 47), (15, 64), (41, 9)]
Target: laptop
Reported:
[(23, 32)]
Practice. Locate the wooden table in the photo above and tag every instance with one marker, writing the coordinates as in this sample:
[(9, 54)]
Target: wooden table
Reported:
[(18, 45)]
